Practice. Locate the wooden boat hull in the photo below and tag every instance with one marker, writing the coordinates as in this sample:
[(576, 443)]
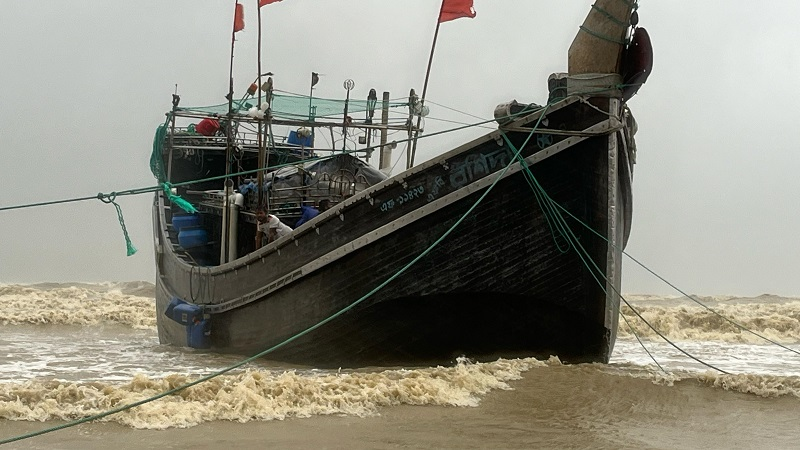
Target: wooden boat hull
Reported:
[(500, 284)]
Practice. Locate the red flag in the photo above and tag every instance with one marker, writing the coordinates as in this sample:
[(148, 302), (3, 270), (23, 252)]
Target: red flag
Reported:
[(238, 18), (266, 2), (455, 9)]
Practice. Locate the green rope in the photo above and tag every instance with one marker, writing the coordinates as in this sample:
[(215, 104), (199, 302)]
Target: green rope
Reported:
[(732, 322), (289, 340), (639, 340), (157, 168), (110, 198), (176, 199), (584, 256), (603, 36), (156, 188), (556, 230), (610, 17), (532, 183), (52, 202)]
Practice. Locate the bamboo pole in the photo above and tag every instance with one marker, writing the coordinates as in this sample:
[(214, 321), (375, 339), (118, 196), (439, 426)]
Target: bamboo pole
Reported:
[(385, 160), (229, 147), (425, 87), (261, 151)]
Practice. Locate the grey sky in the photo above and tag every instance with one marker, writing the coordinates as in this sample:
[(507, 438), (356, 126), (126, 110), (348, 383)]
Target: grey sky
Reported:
[(83, 84)]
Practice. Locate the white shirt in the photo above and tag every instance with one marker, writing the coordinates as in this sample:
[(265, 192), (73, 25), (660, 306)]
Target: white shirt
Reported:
[(281, 229)]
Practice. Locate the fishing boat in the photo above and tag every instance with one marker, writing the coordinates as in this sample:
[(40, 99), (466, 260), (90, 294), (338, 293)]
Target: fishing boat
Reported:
[(508, 245)]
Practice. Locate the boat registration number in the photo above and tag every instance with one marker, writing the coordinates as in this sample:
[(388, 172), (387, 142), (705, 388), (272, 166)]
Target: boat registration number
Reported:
[(405, 197)]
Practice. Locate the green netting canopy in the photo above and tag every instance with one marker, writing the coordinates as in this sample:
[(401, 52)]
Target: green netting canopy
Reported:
[(293, 107)]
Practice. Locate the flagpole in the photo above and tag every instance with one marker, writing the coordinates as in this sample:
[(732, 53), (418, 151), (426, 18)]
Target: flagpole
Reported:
[(261, 159), (229, 125), (229, 147), (425, 85)]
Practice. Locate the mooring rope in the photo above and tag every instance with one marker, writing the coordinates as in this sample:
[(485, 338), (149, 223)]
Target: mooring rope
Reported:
[(584, 256), (642, 265), (548, 205), (292, 338), (166, 187)]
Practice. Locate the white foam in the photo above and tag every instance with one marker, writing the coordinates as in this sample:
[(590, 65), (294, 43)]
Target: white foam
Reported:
[(260, 394)]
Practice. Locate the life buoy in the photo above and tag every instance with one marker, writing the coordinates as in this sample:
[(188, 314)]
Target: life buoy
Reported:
[(637, 63)]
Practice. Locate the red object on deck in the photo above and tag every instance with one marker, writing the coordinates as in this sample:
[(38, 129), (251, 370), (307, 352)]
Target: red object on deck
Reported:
[(207, 127)]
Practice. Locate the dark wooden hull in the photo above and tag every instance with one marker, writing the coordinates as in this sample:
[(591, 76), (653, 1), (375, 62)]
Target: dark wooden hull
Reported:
[(501, 284)]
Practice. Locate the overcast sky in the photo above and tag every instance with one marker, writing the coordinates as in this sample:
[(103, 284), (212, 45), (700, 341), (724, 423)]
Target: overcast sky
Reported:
[(83, 84)]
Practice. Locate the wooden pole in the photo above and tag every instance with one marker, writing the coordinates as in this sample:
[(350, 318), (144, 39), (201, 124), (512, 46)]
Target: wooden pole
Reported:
[(270, 136), (425, 87), (229, 125), (261, 153), (314, 80), (385, 160), (175, 100), (229, 146), (412, 100)]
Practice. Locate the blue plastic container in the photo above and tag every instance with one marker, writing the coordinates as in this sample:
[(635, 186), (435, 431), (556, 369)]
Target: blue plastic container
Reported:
[(175, 301), (192, 237), (183, 221), (198, 334), (187, 314), (295, 139)]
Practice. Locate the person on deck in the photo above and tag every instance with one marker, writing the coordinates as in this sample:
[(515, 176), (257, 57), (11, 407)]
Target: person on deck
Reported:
[(309, 212), (269, 226)]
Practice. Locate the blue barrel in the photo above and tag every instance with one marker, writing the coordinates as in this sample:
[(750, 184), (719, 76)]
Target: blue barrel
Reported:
[(192, 237), (183, 221)]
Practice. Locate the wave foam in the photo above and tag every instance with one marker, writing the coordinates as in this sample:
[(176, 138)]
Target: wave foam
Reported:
[(777, 321), (260, 395), (77, 305)]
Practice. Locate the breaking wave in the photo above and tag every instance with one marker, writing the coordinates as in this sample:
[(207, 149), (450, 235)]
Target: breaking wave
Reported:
[(777, 318), (132, 304), (260, 394), (263, 395), (129, 303)]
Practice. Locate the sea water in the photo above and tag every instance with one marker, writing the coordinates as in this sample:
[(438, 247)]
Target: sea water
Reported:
[(68, 351)]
